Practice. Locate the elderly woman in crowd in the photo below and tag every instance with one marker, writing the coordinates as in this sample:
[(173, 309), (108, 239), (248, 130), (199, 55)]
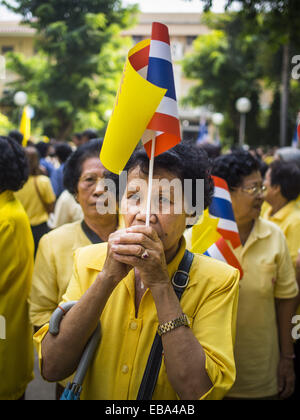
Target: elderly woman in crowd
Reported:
[(53, 266), (126, 283), (16, 265), (37, 197), (264, 348), (54, 261)]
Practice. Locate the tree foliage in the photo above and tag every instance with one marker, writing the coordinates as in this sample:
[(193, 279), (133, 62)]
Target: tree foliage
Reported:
[(72, 80), (267, 31)]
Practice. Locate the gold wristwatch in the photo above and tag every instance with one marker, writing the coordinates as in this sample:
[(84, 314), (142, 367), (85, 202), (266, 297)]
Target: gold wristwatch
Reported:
[(183, 320)]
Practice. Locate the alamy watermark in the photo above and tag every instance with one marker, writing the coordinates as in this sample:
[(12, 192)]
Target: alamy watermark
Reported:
[(168, 196), (296, 68), (296, 329), (2, 328), (2, 68)]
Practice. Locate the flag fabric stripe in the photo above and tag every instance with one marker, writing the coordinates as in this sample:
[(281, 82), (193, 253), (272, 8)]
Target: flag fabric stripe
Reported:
[(140, 58), (163, 143), (164, 122), (169, 107), (221, 208), (220, 182), (160, 32), (159, 49), (160, 73), (222, 193), (214, 252)]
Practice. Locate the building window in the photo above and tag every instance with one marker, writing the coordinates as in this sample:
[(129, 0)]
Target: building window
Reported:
[(7, 48), (190, 40), (136, 39)]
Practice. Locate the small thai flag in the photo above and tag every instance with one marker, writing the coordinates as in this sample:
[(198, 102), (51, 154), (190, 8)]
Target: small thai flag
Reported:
[(165, 123), (222, 252), (221, 207)]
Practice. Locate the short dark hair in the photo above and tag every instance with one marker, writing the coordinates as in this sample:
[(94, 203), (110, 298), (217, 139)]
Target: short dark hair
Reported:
[(17, 136), (234, 167), (63, 151), (185, 161), (14, 169), (287, 176), (89, 133), (73, 166), (42, 148)]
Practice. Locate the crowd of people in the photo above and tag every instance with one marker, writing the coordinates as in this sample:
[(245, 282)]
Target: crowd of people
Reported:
[(222, 337)]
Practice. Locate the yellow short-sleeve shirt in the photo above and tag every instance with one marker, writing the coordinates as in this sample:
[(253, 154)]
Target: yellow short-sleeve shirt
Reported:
[(53, 270), (210, 301), (16, 265), (32, 204), (268, 274)]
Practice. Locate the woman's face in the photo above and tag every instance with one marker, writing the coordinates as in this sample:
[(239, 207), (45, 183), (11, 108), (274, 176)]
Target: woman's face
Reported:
[(247, 199), (166, 202), (89, 189)]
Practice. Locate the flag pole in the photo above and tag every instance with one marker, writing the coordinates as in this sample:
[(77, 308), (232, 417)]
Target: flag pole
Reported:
[(150, 179)]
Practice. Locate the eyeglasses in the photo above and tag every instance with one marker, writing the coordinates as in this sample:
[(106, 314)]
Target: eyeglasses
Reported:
[(90, 180), (255, 190)]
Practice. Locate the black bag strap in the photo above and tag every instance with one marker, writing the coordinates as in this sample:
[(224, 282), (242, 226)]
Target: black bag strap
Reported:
[(180, 281)]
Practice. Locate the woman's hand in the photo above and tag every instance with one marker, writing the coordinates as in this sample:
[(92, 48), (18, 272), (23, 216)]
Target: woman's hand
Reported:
[(140, 247), (113, 270), (286, 378)]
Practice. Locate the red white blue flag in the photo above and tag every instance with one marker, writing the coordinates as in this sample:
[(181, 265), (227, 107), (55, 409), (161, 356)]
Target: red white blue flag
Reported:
[(164, 125), (221, 207)]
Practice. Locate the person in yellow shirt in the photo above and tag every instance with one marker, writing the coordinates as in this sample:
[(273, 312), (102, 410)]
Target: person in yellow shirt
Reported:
[(283, 188), (16, 266), (264, 350), (37, 197), (126, 283), (54, 260)]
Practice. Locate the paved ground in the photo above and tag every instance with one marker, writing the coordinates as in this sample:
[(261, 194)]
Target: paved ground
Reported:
[(39, 389)]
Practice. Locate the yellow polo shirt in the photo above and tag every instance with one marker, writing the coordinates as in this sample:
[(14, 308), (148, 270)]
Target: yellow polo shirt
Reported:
[(31, 201), (210, 301), (53, 270), (268, 274), (16, 265), (288, 219)]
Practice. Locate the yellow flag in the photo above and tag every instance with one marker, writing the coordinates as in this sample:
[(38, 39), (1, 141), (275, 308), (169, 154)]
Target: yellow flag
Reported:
[(25, 126), (202, 235), (136, 102)]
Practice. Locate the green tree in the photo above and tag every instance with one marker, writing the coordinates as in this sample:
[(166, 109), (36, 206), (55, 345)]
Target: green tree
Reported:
[(278, 22), (72, 80), (224, 64)]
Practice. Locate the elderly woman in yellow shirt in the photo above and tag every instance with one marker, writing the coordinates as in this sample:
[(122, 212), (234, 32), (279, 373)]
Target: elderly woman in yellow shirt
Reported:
[(283, 188), (37, 197), (264, 348), (16, 265), (54, 260), (127, 285)]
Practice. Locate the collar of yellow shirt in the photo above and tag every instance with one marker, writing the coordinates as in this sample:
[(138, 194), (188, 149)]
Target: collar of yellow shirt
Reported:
[(5, 197), (283, 212)]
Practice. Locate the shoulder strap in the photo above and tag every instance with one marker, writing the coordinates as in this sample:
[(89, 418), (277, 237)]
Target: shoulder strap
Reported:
[(180, 281)]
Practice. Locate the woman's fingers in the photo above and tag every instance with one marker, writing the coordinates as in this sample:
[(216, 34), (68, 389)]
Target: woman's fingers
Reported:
[(131, 250)]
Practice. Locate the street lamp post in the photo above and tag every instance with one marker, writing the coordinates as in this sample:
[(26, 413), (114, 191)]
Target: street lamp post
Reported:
[(243, 106), (217, 119)]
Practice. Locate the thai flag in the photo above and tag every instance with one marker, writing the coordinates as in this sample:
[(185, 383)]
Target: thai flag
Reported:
[(164, 125), (221, 207), (203, 132)]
